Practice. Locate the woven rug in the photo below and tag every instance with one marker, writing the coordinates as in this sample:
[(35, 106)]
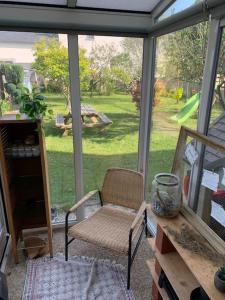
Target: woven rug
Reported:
[(81, 278)]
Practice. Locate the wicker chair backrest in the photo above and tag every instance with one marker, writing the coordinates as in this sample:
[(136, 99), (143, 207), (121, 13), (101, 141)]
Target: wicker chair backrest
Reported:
[(123, 187)]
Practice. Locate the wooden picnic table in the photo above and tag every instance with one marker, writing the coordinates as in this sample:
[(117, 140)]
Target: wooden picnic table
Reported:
[(88, 110), (95, 119)]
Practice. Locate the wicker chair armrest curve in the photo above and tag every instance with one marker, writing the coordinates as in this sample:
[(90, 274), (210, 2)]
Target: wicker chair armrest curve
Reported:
[(139, 215), (83, 200)]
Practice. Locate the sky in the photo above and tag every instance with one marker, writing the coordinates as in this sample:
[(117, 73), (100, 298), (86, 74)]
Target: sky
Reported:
[(87, 41), (178, 6)]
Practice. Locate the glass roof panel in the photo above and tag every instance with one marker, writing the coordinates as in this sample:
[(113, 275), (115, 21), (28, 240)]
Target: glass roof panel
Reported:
[(49, 2), (127, 5), (176, 7)]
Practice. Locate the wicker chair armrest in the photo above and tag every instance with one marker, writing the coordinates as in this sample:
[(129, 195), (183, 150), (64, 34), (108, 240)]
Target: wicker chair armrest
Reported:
[(139, 215), (83, 200)]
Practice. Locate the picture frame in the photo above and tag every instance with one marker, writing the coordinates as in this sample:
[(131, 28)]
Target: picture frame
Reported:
[(215, 241)]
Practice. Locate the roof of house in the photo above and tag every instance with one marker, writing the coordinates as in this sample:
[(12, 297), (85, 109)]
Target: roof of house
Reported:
[(213, 158), (23, 37)]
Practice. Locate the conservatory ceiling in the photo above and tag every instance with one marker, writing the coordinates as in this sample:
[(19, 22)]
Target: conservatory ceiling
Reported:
[(127, 17), (121, 5)]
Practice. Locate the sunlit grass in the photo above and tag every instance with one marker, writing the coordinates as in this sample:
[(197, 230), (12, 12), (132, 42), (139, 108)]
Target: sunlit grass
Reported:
[(115, 146)]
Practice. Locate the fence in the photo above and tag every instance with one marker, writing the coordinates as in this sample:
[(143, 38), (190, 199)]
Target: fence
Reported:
[(189, 88)]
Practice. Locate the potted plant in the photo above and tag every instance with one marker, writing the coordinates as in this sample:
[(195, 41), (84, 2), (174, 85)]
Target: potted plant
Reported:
[(33, 105), (219, 279)]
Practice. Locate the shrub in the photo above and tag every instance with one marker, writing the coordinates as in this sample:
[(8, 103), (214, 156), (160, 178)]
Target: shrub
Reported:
[(178, 93), (14, 76), (158, 89), (13, 73), (54, 87)]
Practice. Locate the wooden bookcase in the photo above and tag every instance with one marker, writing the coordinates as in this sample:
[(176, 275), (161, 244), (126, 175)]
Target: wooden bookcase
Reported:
[(185, 270), (24, 176)]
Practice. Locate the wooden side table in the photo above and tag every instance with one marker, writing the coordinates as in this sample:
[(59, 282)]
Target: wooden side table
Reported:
[(185, 270)]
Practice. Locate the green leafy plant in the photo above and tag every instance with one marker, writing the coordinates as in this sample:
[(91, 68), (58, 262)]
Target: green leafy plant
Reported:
[(4, 106), (222, 273), (34, 106)]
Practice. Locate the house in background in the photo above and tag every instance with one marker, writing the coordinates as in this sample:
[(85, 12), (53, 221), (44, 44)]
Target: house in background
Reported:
[(18, 48)]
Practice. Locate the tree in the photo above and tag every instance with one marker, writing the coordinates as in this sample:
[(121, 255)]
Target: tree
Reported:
[(220, 85), (109, 69), (51, 61), (121, 66), (184, 52), (133, 47)]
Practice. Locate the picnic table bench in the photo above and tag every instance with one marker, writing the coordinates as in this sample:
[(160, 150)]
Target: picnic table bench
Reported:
[(90, 118)]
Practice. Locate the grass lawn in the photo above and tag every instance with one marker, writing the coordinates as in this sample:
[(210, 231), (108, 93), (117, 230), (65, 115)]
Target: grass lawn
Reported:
[(116, 146), (164, 136)]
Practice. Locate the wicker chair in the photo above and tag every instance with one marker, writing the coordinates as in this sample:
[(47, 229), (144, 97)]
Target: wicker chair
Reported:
[(110, 227)]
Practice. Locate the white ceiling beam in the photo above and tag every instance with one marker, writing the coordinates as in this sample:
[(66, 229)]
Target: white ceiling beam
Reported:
[(65, 19)]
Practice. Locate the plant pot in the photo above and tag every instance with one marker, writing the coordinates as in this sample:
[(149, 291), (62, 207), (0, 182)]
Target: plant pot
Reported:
[(199, 294), (219, 283)]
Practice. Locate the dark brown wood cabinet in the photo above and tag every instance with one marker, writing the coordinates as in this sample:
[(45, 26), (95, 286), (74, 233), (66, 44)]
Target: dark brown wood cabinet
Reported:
[(24, 175)]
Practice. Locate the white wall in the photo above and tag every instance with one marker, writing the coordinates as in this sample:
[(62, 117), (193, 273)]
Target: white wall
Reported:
[(17, 53), (23, 53)]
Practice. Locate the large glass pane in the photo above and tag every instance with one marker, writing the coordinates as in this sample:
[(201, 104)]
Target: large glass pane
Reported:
[(110, 104), (53, 2), (176, 7), (211, 200), (179, 68), (38, 63), (211, 196), (141, 5)]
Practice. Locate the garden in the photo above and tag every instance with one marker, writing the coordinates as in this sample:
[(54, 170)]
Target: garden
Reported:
[(110, 82), (115, 146)]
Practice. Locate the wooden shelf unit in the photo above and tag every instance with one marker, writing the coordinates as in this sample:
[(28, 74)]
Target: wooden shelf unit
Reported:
[(155, 278), (24, 180), (172, 264), (185, 270)]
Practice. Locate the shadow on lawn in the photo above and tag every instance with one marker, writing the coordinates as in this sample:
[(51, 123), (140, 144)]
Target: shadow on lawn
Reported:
[(61, 172), (123, 124), (51, 130)]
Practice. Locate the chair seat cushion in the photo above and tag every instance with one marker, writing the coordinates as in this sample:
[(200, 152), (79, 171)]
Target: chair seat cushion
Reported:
[(108, 227)]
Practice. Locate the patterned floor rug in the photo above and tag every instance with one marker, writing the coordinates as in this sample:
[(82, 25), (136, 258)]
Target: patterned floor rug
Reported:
[(81, 278)]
